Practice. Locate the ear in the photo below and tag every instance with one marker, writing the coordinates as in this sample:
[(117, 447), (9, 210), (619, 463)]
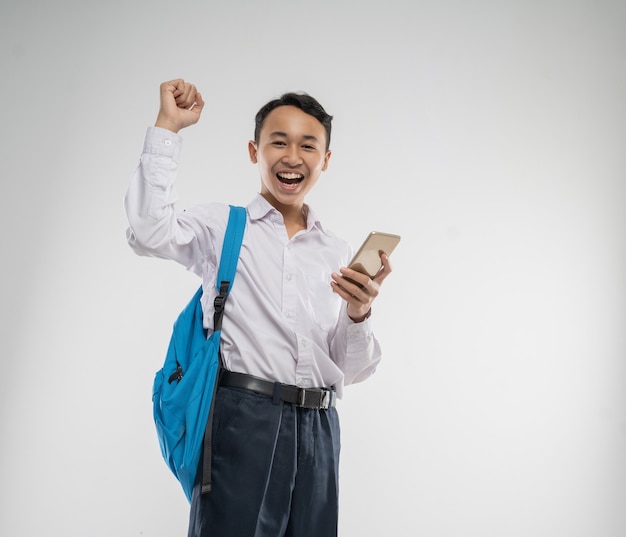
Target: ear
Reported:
[(252, 150), (326, 159)]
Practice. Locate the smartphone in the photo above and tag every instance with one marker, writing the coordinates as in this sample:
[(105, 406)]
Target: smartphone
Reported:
[(367, 259)]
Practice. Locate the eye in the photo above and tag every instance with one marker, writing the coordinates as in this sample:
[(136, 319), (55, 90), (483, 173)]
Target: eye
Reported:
[(278, 143), (309, 147)]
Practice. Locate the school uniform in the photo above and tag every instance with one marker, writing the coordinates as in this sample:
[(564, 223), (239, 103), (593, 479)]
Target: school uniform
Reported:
[(275, 445)]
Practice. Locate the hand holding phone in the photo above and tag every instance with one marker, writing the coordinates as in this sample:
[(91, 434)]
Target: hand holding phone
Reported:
[(368, 262)]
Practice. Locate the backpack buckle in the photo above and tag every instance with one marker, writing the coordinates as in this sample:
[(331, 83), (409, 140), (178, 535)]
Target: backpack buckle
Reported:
[(176, 375), (218, 303)]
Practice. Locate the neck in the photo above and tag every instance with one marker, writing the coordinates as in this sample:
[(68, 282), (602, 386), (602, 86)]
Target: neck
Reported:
[(294, 216), (294, 219)]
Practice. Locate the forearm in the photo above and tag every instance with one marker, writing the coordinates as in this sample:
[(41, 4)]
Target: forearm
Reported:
[(355, 350), (154, 228)]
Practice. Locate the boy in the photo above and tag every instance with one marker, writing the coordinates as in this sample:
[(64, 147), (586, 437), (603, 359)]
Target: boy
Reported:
[(292, 322)]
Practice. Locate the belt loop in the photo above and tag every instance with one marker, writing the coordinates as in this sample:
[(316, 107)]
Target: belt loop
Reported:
[(276, 396)]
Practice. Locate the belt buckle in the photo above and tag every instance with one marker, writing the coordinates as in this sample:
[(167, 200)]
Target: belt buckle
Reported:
[(322, 401)]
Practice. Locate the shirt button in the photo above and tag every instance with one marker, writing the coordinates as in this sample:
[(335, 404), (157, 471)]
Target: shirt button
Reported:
[(168, 142), (289, 277)]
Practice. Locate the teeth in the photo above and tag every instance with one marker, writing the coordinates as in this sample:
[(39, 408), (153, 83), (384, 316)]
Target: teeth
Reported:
[(290, 176)]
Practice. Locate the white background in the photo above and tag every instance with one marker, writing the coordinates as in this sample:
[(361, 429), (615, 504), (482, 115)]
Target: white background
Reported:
[(490, 134)]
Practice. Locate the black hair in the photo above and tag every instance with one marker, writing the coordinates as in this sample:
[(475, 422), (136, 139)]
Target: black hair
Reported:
[(304, 102)]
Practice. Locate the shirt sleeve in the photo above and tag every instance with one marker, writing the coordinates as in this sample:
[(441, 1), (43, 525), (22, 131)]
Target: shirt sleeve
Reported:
[(355, 349), (155, 228)]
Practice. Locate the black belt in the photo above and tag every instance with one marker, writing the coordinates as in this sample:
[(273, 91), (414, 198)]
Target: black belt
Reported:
[(320, 398)]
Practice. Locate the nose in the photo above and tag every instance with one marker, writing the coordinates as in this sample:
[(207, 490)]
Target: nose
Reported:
[(292, 155)]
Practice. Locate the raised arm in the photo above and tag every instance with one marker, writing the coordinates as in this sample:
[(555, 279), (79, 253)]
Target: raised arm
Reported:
[(155, 228)]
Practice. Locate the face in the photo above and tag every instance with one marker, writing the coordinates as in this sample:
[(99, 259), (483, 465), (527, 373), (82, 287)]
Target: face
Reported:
[(291, 154)]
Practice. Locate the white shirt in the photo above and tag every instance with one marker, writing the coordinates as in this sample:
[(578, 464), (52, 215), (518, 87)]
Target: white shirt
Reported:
[(282, 321)]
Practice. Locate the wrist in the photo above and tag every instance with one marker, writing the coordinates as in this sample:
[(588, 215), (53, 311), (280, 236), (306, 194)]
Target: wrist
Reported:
[(362, 317), (166, 124)]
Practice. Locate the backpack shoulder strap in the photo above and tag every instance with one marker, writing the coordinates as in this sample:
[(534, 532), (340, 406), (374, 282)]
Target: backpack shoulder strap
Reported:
[(228, 261), (232, 245), (225, 278)]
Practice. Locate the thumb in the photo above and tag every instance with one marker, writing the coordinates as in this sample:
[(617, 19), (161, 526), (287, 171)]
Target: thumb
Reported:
[(198, 104)]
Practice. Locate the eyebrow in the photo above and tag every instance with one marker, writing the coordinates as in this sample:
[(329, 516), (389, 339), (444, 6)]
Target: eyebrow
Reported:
[(284, 134)]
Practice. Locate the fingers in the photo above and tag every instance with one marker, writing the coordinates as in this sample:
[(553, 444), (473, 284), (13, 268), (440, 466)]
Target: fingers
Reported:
[(385, 270), (358, 296), (352, 280), (184, 93), (186, 97), (354, 286)]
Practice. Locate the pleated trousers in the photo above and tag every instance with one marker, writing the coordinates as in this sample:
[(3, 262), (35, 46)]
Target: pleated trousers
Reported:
[(274, 470)]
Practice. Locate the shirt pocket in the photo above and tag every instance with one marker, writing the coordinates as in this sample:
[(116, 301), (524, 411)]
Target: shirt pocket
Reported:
[(320, 302)]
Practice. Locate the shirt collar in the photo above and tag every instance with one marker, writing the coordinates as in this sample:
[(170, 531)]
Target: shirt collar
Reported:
[(259, 208)]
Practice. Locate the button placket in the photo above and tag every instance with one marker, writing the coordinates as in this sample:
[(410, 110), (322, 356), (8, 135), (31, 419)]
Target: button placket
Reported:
[(290, 295)]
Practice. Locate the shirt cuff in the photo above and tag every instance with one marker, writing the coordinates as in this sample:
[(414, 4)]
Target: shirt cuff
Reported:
[(358, 331), (162, 142)]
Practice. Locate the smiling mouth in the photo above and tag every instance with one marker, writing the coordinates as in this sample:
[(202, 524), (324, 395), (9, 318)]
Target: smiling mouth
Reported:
[(290, 178)]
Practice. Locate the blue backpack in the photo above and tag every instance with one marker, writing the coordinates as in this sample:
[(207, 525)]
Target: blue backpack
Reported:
[(184, 387)]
